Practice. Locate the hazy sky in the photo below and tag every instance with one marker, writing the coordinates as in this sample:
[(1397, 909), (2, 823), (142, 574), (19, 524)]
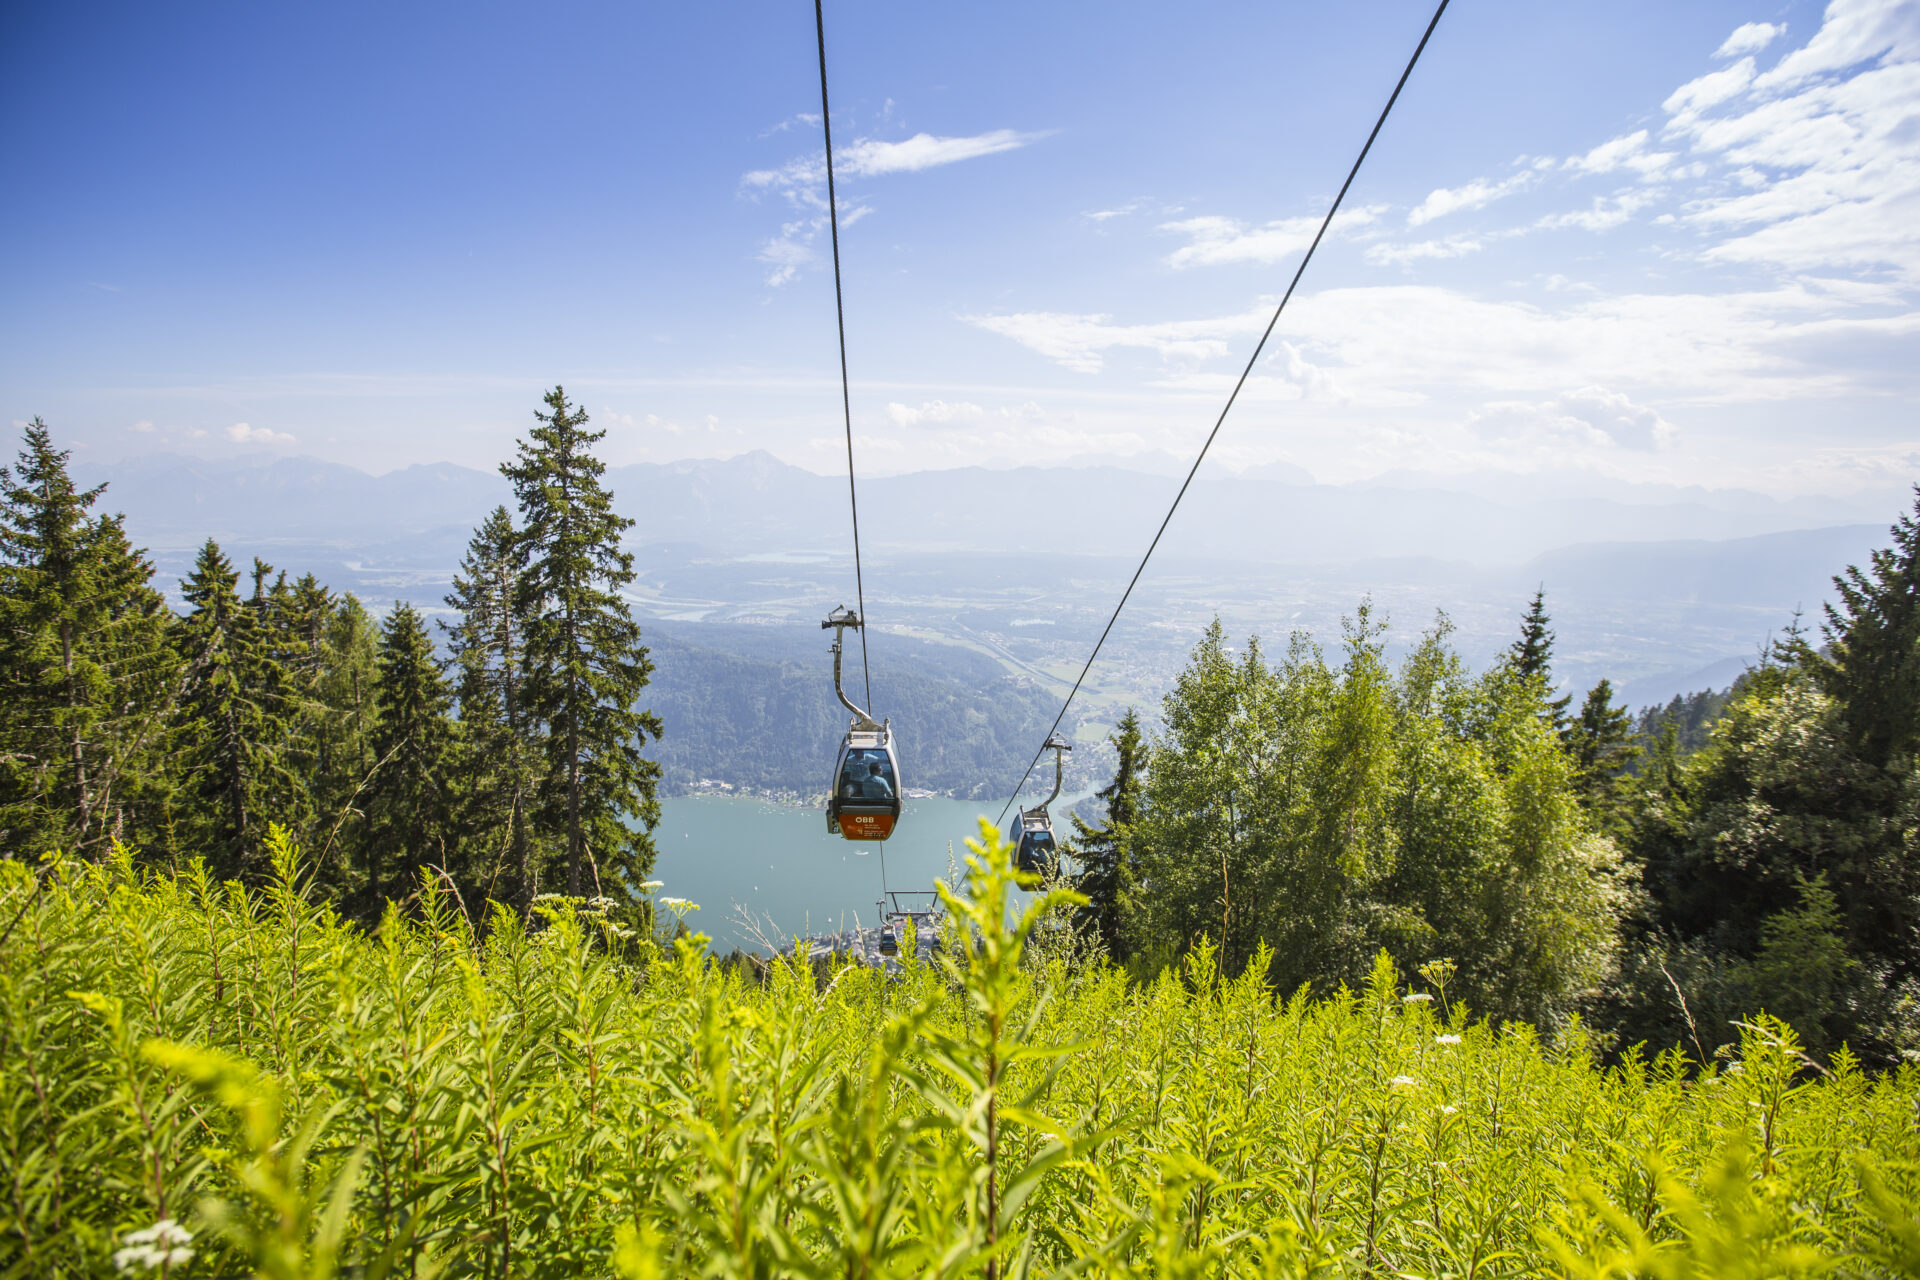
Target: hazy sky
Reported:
[(1661, 241)]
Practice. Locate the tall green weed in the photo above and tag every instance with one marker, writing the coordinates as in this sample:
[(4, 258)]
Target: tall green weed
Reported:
[(200, 1079)]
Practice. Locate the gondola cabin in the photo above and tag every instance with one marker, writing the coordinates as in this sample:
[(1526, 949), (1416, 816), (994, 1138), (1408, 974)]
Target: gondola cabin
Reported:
[(864, 803), (1032, 833)]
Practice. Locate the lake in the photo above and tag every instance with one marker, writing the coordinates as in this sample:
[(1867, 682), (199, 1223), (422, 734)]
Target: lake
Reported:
[(779, 861)]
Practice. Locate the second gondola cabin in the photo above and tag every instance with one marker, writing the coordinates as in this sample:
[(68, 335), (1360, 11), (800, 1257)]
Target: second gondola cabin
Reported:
[(1031, 833)]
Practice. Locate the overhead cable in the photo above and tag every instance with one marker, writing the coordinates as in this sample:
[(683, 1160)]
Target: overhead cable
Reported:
[(1244, 373), (840, 315)]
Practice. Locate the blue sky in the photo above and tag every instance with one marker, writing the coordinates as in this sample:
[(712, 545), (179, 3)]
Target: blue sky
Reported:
[(1656, 242)]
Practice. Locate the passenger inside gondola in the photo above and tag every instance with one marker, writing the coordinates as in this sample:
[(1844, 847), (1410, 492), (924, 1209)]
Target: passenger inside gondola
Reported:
[(1037, 850), (868, 775)]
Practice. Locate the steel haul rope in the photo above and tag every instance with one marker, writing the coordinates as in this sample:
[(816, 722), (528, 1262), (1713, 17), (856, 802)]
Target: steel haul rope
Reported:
[(840, 315), (1234, 395), (846, 395)]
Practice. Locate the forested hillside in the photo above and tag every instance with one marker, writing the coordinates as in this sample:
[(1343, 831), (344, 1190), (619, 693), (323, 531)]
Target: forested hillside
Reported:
[(750, 706)]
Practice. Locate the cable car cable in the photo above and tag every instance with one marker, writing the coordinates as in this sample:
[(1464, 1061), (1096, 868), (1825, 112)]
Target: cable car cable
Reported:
[(1244, 373), (840, 315)]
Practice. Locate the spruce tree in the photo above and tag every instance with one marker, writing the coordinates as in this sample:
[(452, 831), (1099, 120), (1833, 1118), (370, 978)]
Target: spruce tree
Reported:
[(1531, 656), (505, 750), (409, 800), (1873, 638), (1106, 876), (234, 717), (1601, 741), (585, 663), (341, 714), (85, 674)]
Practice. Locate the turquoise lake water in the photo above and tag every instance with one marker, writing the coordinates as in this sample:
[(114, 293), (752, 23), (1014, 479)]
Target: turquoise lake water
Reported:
[(779, 860)]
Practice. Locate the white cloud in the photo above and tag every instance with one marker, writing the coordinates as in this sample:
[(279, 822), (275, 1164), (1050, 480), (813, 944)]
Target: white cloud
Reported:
[(1406, 345), (1101, 215), (1627, 152), (1750, 37), (1852, 32), (1477, 194), (870, 157), (803, 184), (1709, 90), (143, 426), (935, 412), (241, 433), (1398, 255), (1823, 149), (1591, 416), (1080, 342), (1605, 213), (1214, 241)]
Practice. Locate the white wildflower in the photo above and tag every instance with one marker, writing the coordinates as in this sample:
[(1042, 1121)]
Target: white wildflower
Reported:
[(1404, 1082), (1449, 1111), (1416, 997), (1446, 1039), (164, 1244), (648, 886)]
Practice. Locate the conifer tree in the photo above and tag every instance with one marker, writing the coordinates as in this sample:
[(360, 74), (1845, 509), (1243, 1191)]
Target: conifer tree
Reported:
[(409, 800), (85, 674), (1106, 876), (488, 645), (1531, 656), (234, 716), (585, 663), (340, 714), (1873, 635), (1601, 741)]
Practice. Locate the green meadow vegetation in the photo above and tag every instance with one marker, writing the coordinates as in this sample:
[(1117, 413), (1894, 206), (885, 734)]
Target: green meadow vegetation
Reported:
[(204, 1079)]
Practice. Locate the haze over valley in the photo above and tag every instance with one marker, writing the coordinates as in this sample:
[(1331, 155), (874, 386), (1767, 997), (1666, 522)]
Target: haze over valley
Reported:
[(988, 586)]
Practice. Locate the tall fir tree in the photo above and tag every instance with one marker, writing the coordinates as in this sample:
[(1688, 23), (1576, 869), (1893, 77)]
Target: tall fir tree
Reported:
[(86, 676), (1531, 656), (585, 663), (1106, 875), (234, 720), (505, 752), (409, 798), (1873, 641)]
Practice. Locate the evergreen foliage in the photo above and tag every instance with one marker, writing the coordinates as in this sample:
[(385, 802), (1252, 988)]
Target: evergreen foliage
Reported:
[(235, 719), (1778, 862), (86, 679), (585, 664), (1873, 639), (1601, 742), (504, 749), (1107, 879), (1531, 656), (410, 798)]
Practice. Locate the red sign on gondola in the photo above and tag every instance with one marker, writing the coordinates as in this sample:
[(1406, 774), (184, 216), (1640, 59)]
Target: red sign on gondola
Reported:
[(866, 826)]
